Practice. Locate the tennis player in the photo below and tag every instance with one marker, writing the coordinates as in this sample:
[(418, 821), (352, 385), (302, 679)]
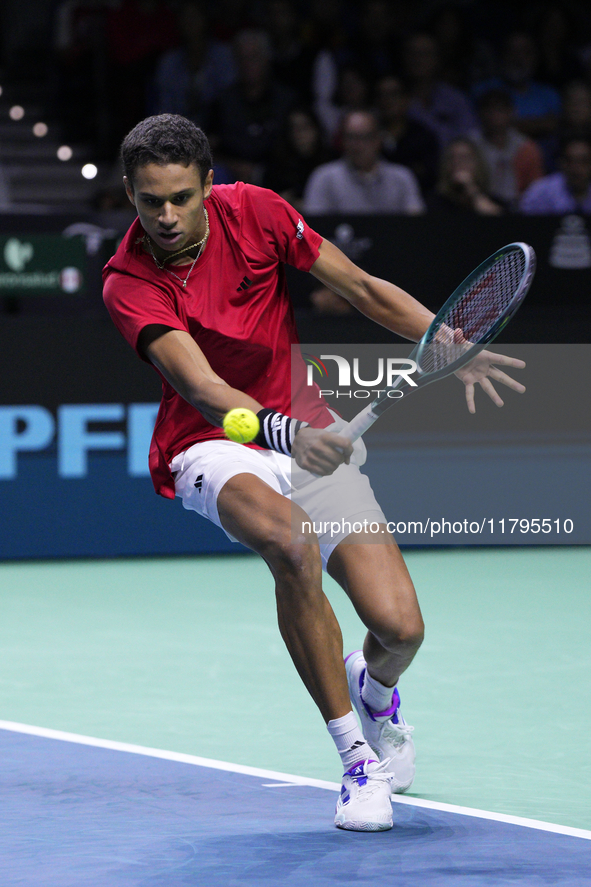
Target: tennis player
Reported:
[(198, 288)]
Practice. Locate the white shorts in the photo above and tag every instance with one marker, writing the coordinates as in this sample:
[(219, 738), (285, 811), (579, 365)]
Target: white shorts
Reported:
[(332, 503)]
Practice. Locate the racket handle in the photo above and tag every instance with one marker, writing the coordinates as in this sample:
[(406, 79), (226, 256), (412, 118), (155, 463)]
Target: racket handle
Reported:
[(352, 430), (359, 424)]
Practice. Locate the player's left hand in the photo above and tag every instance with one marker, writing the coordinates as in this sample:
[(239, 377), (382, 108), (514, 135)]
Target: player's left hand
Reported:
[(482, 369), (320, 451)]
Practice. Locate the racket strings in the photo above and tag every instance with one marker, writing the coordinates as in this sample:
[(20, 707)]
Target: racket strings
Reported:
[(472, 316)]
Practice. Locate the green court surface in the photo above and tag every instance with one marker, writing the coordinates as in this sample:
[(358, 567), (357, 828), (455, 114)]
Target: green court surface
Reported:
[(184, 654)]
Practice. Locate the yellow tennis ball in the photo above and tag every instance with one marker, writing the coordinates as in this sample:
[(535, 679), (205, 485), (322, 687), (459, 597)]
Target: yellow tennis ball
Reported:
[(241, 425)]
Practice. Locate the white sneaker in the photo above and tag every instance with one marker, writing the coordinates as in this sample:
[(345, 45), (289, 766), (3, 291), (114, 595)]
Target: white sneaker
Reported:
[(390, 738), (364, 803)]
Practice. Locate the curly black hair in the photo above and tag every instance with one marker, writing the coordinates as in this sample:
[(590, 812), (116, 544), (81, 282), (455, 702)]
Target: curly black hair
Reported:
[(164, 139)]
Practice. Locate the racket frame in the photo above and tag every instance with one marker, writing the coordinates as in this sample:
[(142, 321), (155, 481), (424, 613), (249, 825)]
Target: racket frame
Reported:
[(365, 419)]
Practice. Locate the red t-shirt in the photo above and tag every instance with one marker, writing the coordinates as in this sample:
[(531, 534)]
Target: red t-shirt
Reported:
[(235, 306)]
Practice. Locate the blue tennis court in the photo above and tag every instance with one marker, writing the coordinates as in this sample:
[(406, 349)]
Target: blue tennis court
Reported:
[(77, 814), (367, 157), (123, 764)]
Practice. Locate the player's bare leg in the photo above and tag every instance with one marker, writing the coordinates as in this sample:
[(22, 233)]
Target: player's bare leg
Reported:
[(377, 581), (261, 519)]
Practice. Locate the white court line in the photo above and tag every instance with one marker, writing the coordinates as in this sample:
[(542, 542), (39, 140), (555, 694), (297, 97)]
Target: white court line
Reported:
[(283, 779), (279, 784), (48, 733)]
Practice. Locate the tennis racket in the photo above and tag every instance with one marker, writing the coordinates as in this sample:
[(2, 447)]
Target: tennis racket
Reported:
[(473, 316)]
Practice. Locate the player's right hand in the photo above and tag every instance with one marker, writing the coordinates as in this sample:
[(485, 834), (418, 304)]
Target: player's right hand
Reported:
[(320, 451)]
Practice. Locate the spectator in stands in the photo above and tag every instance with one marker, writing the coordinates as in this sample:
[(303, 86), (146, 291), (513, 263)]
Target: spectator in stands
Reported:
[(361, 181), (79, 69), (566, 191), (576, 110), (293, 59), (556, 42), (352, 93), (462, 57), (404, 140), (355, 43), (537, 105), (513, 160), (296, 153), (248, 116), (463, 181), (435, 104), (344, 69), (138, 32), (327, 25), (191, 77), (230, 17), (376, 47), (327, 30), (575, 120)]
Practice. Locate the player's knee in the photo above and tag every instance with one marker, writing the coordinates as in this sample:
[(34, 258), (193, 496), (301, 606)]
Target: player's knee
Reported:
[(290, 556), (405, 633)]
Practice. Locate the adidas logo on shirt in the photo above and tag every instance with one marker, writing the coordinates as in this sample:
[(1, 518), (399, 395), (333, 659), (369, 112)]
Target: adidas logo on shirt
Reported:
[(244, 285)]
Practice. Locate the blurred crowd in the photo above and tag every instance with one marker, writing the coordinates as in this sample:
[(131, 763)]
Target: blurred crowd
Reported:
[(380, 106)]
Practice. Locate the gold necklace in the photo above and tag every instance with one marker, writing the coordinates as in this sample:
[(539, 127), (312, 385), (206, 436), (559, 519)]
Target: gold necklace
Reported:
[(186, 249), (162, 268), (201, 244)]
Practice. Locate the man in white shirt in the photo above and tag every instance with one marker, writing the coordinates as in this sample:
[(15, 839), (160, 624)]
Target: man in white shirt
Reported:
[(361, 181)]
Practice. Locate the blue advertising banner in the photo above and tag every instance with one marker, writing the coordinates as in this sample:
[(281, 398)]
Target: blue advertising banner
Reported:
[(75, 427), (76, 422), (77, 406)]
